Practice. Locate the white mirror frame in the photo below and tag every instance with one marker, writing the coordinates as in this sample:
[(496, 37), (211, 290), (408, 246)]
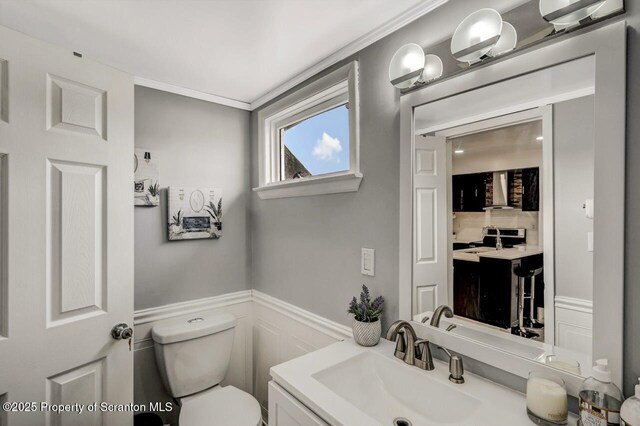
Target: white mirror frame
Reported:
[(607, 42)]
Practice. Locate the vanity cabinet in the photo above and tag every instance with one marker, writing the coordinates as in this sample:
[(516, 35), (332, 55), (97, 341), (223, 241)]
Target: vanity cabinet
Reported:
[(285, 410), (469, 192), (466, 286)]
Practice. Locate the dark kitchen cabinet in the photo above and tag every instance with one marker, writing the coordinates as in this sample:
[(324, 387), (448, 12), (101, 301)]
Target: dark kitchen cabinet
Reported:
[(469, 192), (497, 293), (466, 283), (498, 290), (531, 189)]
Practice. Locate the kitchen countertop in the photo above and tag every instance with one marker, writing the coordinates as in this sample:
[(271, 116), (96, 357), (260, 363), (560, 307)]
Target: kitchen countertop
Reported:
[(474, 254)]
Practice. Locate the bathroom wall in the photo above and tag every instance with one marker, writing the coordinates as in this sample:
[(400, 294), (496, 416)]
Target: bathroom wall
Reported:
[(632, 237), (306, 250), (573, 145), (198, 144)]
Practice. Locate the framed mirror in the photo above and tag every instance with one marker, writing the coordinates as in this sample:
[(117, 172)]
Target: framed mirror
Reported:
[(512, 207)]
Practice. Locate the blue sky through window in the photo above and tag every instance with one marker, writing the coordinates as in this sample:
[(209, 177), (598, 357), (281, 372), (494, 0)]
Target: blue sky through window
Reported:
[(321, 142)]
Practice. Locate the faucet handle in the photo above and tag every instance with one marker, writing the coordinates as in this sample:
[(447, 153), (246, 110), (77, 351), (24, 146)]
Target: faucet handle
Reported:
[(456, 368), (423, 360), (401, 346)]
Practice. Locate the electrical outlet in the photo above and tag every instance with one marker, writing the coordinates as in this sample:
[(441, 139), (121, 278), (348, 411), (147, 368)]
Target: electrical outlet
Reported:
[(367, 262)]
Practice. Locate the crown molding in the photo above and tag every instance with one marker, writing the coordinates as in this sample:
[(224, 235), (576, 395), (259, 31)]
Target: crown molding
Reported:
[(355, 46), (191, 93)]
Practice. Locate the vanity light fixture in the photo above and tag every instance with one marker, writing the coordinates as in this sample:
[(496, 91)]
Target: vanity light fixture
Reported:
[(406, 66), (539, 138), (432, 68), (507, 42), (459, 151), (476, 35), (568, 12)]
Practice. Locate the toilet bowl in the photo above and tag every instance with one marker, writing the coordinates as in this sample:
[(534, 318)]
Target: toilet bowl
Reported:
[(193, 356), (220, 406)]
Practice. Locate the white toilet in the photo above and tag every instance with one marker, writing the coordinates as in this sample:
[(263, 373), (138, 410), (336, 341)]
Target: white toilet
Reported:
[(193, 356)]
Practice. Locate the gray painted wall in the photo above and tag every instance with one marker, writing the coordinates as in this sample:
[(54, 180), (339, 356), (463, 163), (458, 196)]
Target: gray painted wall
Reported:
[(632, 243), (306, 250), (198, 143), (573, 146)]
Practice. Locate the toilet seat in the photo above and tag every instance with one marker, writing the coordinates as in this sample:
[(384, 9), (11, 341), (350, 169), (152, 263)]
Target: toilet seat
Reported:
[(220, 406)]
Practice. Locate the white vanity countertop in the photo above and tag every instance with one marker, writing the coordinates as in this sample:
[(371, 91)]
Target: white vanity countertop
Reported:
[(491, 404), (474, 254)]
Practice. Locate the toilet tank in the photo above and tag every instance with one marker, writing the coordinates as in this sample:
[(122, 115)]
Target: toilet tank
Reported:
[(193, 354)]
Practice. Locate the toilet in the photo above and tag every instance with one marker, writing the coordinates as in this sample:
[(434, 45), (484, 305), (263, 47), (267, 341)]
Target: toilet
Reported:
[(193, 356)]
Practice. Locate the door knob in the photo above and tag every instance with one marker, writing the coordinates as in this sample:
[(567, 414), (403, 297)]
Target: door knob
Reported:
[(121, 331)]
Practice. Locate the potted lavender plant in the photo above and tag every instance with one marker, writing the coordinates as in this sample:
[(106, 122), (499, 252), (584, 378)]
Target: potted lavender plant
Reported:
[(366, 318)]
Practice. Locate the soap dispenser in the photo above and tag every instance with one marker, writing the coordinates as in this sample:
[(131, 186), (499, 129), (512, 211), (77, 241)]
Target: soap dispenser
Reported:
[(600, 399), (630, 411)]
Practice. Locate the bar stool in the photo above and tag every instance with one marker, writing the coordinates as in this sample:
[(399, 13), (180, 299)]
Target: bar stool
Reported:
[(523, 275)]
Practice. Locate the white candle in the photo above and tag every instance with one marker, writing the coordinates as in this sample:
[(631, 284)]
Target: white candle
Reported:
[(547, 399)]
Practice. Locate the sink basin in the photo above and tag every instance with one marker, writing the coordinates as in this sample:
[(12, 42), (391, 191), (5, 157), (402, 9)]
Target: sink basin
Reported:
[(348, 385), (387, 389), (476, 250)]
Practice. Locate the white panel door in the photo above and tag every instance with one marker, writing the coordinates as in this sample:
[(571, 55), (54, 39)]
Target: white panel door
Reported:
[(66, 139), (429, 223)]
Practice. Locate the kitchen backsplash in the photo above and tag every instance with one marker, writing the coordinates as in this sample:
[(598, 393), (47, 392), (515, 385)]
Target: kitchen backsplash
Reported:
[(468, 225)]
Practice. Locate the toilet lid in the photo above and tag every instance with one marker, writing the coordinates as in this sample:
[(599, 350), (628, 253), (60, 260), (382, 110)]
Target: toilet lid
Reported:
[(223, 406)]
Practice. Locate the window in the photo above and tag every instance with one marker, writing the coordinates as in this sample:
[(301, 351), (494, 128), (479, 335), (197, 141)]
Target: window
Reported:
[(315, 146), (309, 139)]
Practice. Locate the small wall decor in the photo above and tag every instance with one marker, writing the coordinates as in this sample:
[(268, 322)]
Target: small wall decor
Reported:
[(194, 213), (145, 185)]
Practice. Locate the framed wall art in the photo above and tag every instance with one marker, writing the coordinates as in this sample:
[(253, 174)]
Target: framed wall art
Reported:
[(194, 213), (146, 190)]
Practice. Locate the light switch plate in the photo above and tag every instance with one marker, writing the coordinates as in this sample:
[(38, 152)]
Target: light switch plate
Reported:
[(367, 262)]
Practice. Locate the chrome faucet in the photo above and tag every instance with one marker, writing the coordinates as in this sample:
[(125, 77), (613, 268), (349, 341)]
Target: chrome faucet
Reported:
[(424, 360), (442, 309), (405, 350), (498, 237)]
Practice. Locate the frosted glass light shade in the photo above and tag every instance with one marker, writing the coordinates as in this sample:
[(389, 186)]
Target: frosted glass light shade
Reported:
[(432, 68), (406, 66), (507, 42), (566, 12), (476, 35)]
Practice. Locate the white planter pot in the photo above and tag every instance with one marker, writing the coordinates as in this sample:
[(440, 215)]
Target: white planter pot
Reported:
[(367, 333)]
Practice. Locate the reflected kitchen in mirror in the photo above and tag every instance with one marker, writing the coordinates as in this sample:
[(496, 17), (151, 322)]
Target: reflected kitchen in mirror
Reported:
[(520, 257)]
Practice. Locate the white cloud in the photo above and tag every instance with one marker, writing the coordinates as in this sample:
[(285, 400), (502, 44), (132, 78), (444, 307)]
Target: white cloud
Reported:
[(327, 147)]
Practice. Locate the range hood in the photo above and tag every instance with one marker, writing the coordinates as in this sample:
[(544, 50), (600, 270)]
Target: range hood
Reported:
[(500, 199)]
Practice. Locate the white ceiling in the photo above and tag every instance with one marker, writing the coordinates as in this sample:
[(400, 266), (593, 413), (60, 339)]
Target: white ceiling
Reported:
[(238, 49)]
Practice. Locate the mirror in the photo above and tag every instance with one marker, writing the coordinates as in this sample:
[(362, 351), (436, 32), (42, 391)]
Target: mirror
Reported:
[(506, 216)]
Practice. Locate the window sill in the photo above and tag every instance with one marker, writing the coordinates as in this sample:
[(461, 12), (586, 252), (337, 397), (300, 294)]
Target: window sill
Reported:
[(345, 182)]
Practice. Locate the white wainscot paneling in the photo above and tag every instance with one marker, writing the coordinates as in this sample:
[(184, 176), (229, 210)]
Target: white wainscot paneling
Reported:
[(148, 386), (282, 332), (269, 332), (574, 323)]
